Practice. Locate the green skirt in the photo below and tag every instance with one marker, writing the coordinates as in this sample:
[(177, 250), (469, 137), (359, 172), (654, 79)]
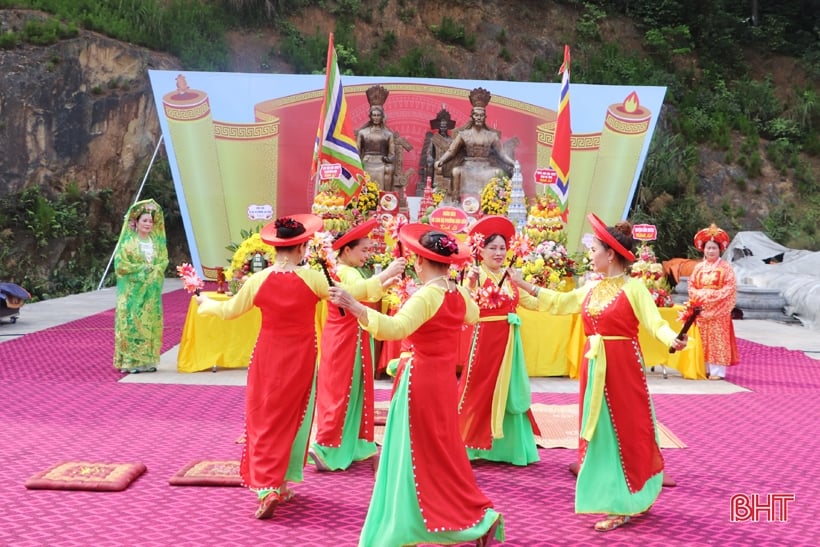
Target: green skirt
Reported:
[(394, 517), (601, 486), (517, 446), (352, 448)]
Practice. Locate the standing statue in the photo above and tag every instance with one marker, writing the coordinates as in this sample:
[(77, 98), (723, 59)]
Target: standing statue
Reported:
[(436, 143), (376, 142), (480, 149)]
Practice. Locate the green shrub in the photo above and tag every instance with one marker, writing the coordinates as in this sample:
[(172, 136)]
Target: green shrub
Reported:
[(782, 128), (417, 63), (307, 54), (450, 32), (757, 100), (588, 25), (9, 40)]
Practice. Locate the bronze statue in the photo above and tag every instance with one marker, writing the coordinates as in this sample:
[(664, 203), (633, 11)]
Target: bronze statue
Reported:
[(436, 143), (480, 149), (376, 142)]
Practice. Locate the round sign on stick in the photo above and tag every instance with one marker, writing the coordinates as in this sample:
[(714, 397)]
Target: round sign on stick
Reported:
[(451, 219), (645, 232)]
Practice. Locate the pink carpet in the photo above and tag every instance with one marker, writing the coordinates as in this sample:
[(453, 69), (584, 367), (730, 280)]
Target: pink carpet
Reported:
[(59, 400)]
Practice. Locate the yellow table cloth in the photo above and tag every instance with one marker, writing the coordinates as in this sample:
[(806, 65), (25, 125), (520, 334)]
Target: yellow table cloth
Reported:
[(554, 345), (209, 342), (688, 362)]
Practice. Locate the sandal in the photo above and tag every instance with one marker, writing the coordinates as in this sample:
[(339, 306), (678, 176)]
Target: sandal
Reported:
[(611, 522), (267, 505)]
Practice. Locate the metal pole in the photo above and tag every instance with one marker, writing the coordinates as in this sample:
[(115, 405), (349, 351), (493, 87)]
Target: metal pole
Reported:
[(136, 199)]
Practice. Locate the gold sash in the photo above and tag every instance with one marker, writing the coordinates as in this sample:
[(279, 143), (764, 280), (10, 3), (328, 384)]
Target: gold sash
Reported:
[(597, 354)]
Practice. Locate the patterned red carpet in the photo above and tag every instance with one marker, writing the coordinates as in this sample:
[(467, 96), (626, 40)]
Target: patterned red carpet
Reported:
[(59, 400)]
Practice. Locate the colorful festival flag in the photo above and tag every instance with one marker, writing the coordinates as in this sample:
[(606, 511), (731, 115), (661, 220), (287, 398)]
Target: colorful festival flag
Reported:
[(560, 157), (335, 141)]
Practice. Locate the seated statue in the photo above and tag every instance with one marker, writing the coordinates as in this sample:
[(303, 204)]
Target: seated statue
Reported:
[(436, 143), (482, 154), (376, 142)]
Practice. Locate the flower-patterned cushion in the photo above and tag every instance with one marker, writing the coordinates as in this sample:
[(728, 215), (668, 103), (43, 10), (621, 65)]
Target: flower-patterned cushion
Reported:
[(208, 473), (82, 475)]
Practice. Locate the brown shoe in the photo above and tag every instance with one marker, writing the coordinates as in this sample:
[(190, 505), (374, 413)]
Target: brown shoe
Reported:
[(611, 522), (267, 505)]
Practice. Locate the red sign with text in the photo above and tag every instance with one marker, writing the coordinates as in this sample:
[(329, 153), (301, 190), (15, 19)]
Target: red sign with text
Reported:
[(451, 219), (645, 232), (546, 175), (330, 171)]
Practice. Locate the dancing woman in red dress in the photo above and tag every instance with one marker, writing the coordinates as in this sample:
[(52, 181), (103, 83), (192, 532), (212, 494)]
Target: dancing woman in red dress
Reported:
[(281, 377), (344, 392), (494, 389), (425, 490)]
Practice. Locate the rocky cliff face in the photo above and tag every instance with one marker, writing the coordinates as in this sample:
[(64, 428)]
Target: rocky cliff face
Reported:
[(79, 111)]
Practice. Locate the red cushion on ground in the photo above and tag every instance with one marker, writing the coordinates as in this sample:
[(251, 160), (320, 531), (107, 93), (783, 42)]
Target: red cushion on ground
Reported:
[(79, 475), (208, 473)]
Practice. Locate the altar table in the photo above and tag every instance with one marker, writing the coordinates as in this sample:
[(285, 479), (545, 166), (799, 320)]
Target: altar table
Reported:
[(553, 344), (209, 343)]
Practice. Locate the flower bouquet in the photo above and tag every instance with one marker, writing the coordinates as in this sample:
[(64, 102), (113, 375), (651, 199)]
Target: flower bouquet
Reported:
[(368, 199), (377, 262), (398, 294), (321, 256), (491, 297), (496, 195), (688, 315), (190, 279), (549, 265), (650, 271), (252, 247)]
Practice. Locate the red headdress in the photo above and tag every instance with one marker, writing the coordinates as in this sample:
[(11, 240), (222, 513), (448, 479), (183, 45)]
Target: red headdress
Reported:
[(494, 224), (291, 230), (448, 249), (357, 232), (603, 235), (712, 233)]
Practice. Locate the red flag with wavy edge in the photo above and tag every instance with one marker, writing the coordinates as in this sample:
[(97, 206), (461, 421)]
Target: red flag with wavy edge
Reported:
[(562, 145), (335, 142)]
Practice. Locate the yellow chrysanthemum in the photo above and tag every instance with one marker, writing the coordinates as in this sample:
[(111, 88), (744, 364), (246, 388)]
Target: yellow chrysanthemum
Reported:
[(252, 245)]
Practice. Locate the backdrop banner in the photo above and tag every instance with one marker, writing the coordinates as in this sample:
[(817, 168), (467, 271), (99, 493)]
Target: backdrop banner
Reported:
[(240, 146)]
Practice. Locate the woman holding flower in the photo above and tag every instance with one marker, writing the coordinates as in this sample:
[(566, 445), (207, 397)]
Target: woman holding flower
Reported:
[(280, 394), (140, 261), (425, 490), (713, 284), (620, 469), (494, 390), (344, 393)]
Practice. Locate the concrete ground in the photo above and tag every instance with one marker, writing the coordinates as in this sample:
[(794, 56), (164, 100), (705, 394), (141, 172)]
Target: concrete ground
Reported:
[(49, 313)]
